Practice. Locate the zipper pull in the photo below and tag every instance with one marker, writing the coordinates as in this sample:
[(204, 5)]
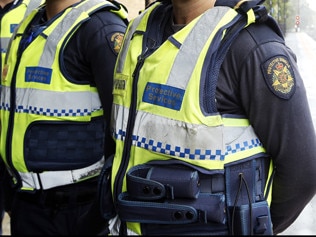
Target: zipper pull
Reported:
[(140, 61)]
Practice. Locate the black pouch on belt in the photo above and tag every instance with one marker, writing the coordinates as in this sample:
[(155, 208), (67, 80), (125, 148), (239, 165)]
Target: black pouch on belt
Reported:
[(145, 182), (248, 211), (173, 194), (252, 219), (182, 182)]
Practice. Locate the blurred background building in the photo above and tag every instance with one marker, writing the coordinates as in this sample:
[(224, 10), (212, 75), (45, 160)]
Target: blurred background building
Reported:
[(294, 15)]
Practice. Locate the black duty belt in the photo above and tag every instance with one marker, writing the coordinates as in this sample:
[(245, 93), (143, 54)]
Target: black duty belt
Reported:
[(172, 194), (74, 193)]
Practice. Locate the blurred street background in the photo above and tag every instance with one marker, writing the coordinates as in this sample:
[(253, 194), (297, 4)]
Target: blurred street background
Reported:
[(297, 19)]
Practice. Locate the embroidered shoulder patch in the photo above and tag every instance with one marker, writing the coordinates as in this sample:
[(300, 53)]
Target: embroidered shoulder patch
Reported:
[(117, 39), (279, 77)]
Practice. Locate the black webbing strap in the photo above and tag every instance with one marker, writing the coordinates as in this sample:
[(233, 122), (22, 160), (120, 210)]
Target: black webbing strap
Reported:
[(206, 208), (140, 187), (156, 212)]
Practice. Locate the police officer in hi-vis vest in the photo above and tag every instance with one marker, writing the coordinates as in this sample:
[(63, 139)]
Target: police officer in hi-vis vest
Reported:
[(213, 130), (55, 112), (11, 14)]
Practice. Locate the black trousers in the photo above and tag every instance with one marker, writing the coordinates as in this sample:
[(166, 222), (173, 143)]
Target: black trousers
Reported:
[(68, 210)]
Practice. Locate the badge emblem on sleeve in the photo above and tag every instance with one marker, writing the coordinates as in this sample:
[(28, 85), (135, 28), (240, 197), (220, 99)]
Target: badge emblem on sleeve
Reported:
[(279, 76), (117, 39)]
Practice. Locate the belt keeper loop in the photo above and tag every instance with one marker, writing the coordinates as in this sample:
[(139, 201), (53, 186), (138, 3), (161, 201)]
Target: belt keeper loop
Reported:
[(169, 192), (39, 181), (36, 180), (202, 216), (72, 176)]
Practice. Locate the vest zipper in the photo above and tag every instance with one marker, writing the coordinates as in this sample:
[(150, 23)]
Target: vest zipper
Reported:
[(118, 183), (11, 169), (129, 129)]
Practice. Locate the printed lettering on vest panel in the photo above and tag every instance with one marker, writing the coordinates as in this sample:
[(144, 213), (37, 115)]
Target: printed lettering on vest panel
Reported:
[(38, 74), (163, 95)]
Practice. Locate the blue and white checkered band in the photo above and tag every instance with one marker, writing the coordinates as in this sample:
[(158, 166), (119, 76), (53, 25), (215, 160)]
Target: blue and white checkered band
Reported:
[(183, 152), (53, 104)]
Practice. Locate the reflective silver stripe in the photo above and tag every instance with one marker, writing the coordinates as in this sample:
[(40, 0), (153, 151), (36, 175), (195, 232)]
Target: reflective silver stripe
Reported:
[(191, 48), (194, 141), (4, 44), (51, 179), (31, 6), (47, 58), (128, 36), (52, 103)]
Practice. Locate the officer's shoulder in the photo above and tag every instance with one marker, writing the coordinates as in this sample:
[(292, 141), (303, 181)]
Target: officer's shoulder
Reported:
[(102, 22), (260, 33), (105, 16), (255, 35)]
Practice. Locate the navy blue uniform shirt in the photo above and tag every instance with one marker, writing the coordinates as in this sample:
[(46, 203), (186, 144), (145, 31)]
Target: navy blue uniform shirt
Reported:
[(260, 78), (92, 55)]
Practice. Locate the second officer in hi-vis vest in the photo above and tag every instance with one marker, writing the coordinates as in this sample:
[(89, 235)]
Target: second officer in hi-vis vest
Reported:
[(12, 12), (200, 90), (55, 112), (15, 12)]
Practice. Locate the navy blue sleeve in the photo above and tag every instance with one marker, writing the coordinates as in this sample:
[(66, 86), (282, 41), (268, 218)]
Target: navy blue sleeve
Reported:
[(91, 53), (260, 79)]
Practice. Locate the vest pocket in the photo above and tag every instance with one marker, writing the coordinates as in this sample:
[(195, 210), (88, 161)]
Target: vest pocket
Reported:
[(54, 145), (247, 208), (156, 182), (253, 219)]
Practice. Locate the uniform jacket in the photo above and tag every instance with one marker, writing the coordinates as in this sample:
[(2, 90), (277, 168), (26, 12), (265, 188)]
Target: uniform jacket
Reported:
[(165, 110)]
